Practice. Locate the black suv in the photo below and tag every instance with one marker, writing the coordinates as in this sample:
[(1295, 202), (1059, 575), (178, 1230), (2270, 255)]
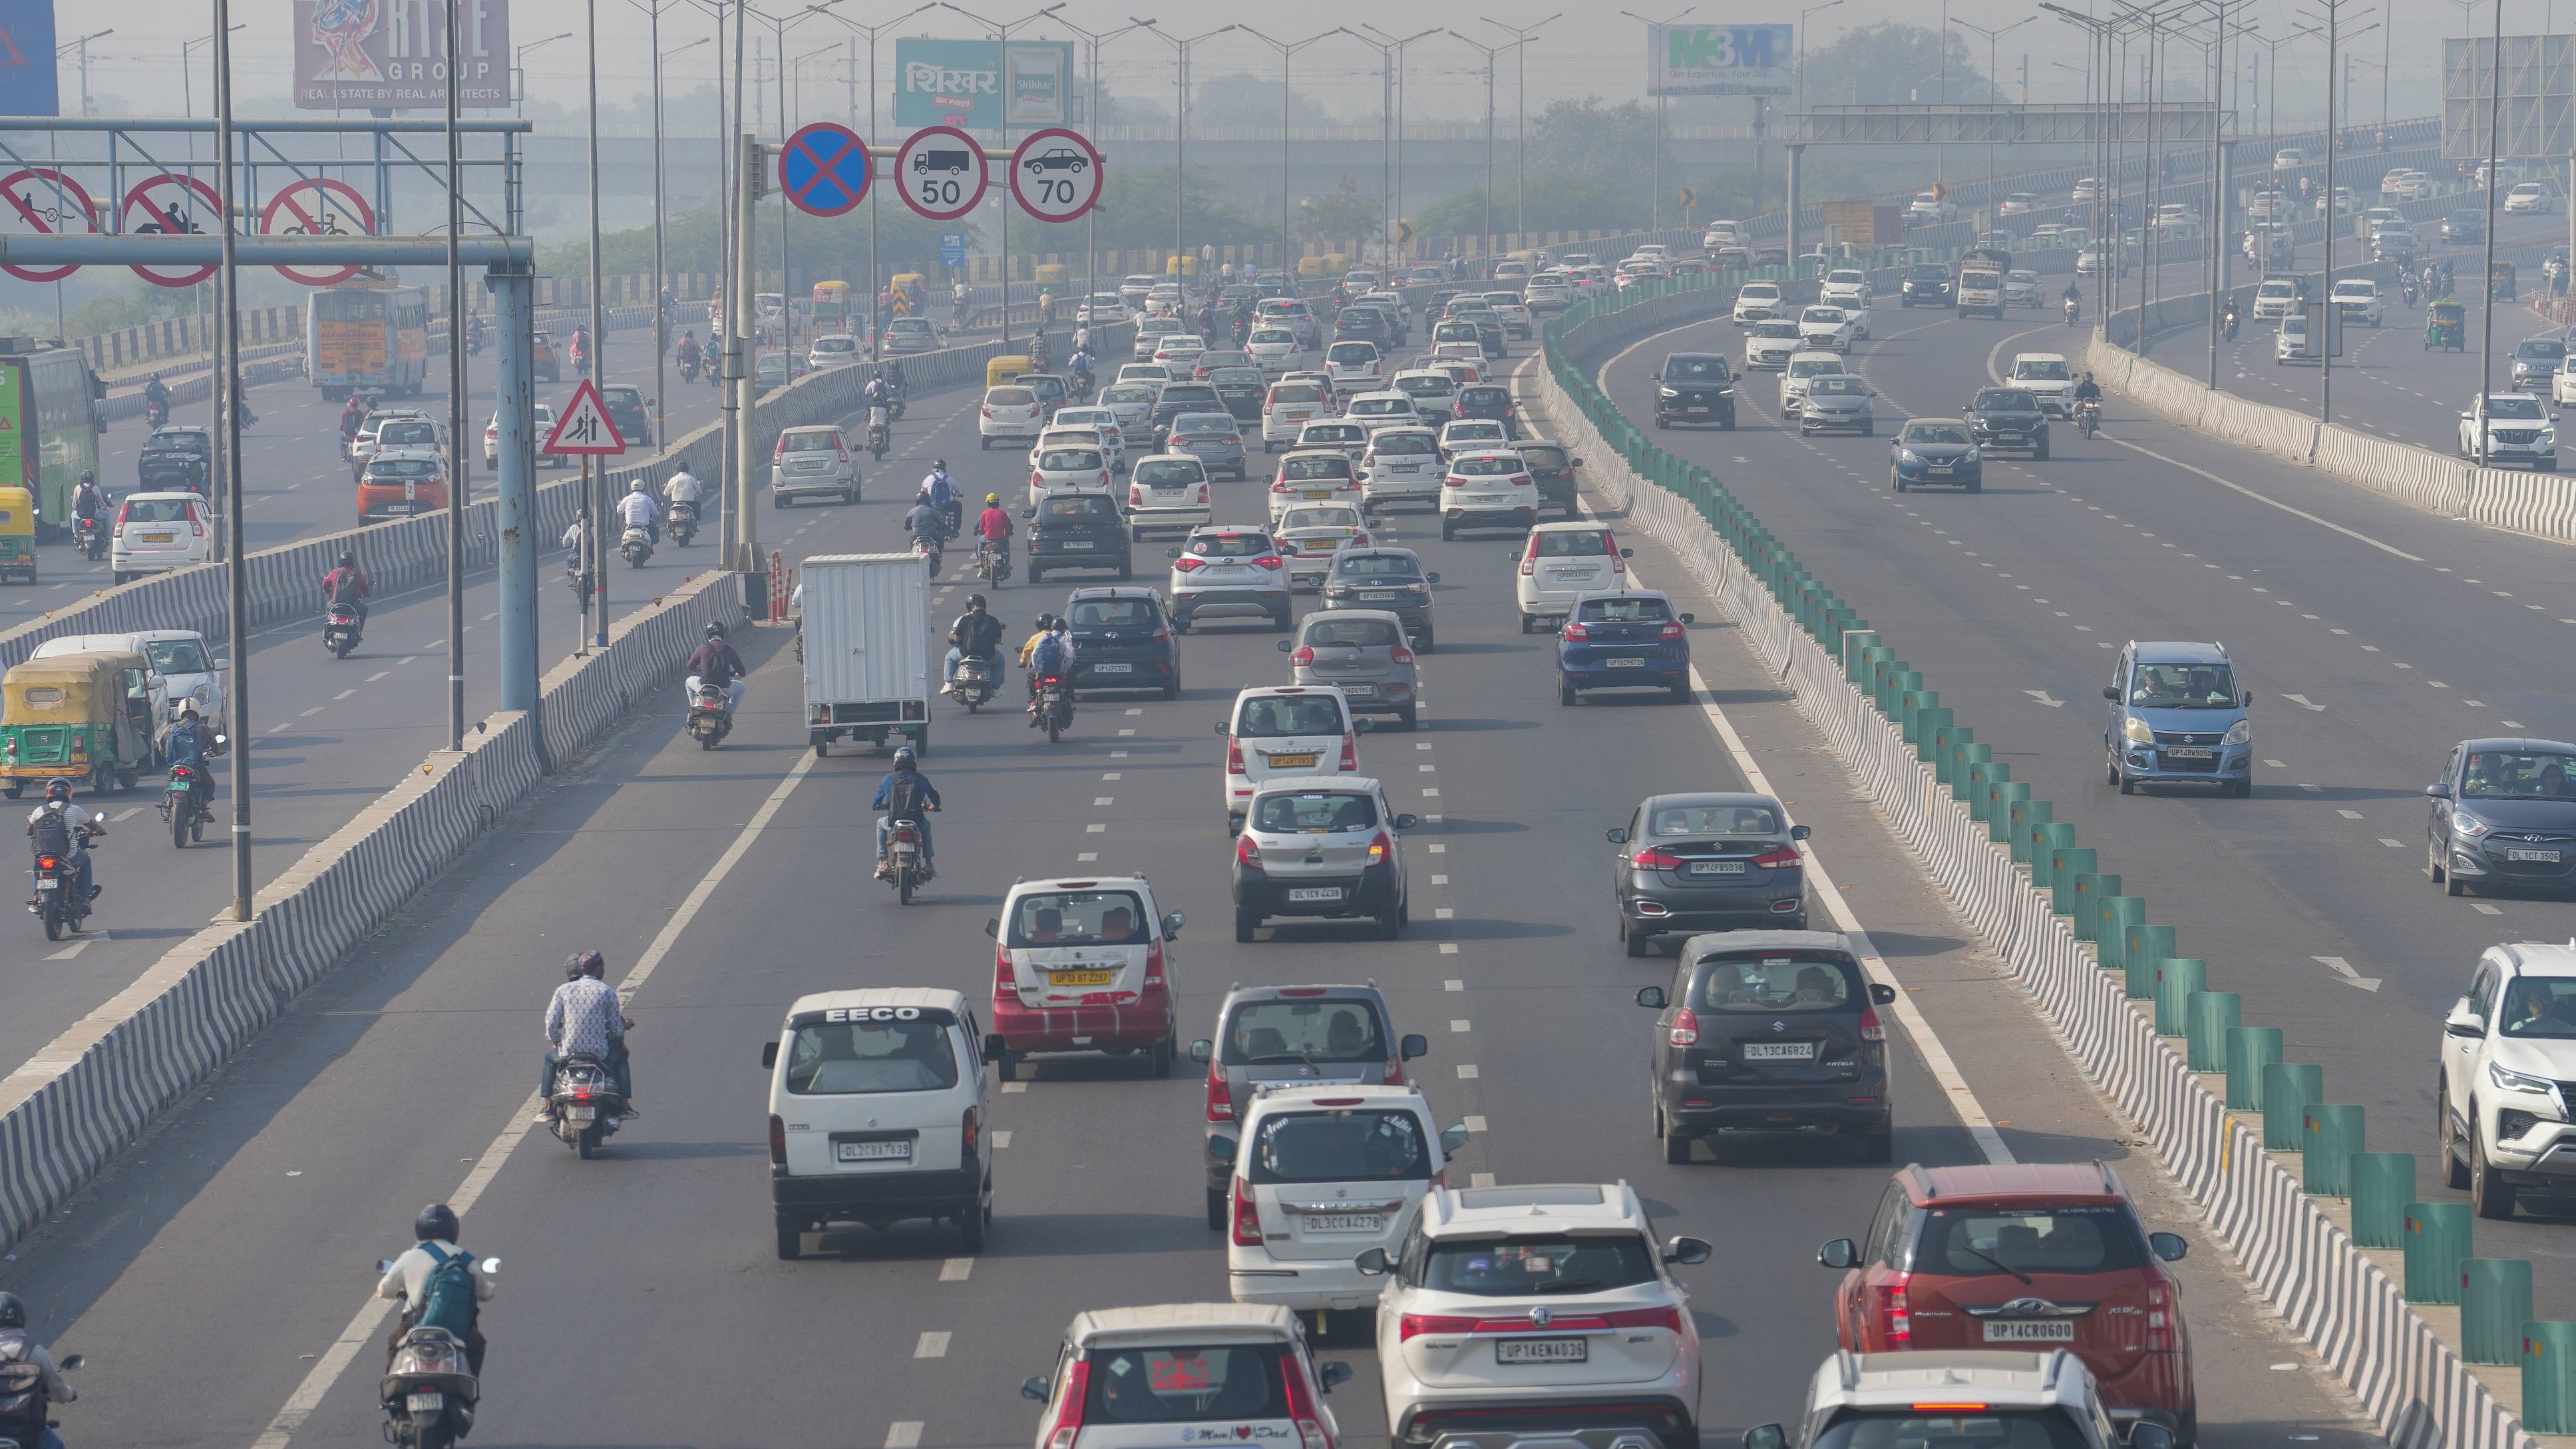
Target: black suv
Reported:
[(1123, 640), (1078, 531), (1695, 387), (628, 411), (1489, 331), (1551, 467), (1363, 324), (1927, 284), (1178, 398), (2009, 417), (175, 460), (1243, 390), (1492, 402)]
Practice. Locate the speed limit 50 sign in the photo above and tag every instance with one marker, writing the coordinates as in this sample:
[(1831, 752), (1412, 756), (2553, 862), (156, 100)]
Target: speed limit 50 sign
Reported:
[(1056, 174), (942, 173)]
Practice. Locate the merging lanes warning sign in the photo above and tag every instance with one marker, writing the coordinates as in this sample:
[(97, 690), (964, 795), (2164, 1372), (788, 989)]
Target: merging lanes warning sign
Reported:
[(585, 427)]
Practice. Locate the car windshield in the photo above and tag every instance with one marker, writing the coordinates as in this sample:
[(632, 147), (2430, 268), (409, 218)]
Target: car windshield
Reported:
[(2022, 279), (2006, 399), (1846, 275), (1202, 426), (1233, 1382), (1775, 330), (2546, 348), (176, 443), (1935, 433), (1485, 467), (1905, 1429), (1627, 609), (1068, 460), (1379, 568), (2519, 775), (1758, 292), (1314, 812), (833, 1058), (1076, 918), (1156, 474), (1087, 418), (1111, 613), (1674, 821), (1314, 467), (1324, 631), (1982, 1242), (1352, 352), (2366, 290), (176, 656), (1521, 1267), (156, 510), (818, 441), (908, 324), (1229, 545), (1128, 395), (2034, 369), (835, 344), (1011, 397), (1089, 507), (1573, 543), (1405, 445), (2276, 289), (1694, 369), (1836, 385), (1283, 716), (1790, 982), (1344, 1145), (2523, 408), (2183, 686), (402, 468)]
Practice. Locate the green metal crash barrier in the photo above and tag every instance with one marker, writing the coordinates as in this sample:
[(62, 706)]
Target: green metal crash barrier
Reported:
[(2437, 1238), (2495, 1302), (2382, 1184), (2289, 1088), (2549, 1377)]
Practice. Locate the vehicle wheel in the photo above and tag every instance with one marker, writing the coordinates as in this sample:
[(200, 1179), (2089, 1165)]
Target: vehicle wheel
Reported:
[(1976, 485), (849, 496), (1447, 533), (1869, 430), (2040, 455), (53, 926), (1036, 574), (1677, 1148), (2489, 1194), (1215, 1210), (1726, 424), (1878, 1146), (791, 1244), (1245, 923), (1127, 567), (1412, 717), (1525, 623), (1390, 923), (1281, 623), (2455, 1167), (1005, 1066), (1681, 691), (179, 828), (972, 1229), (1897, 480), (1233, 824), (822, 748), (1637, 943), (2452, 885), (903, 888), (2244, 789), (1430, 642), (985, 443), (1564, 690), (586, 1142)]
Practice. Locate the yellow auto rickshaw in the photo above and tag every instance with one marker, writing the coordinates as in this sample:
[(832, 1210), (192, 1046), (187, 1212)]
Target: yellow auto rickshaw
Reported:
[(1310, 266), (2501, 282), (1182, 265), (17, 534), (82, 716), (1051, 279), (1002, 370), (2446, 325)]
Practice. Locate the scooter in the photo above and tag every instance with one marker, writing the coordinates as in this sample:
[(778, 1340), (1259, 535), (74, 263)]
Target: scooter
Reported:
[(2227, 323), (185, 804), (683, 523), (974, 682), (710, 718), (928, 547), (585, 1106), (877, 440), (429, 1390), (59, 901), (993, 564), (906, 870), (635, 545), (689, 369), (341, 630), (2073, 308), (1052, 710)]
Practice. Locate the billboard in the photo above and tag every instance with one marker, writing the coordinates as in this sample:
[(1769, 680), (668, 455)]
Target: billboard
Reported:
[(1720, 60), (391, 55), (27, 83), (982, 85), (2539, 82)]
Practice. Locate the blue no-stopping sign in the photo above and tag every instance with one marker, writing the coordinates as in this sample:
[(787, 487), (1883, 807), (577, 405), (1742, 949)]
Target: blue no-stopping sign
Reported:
[(823, 169)]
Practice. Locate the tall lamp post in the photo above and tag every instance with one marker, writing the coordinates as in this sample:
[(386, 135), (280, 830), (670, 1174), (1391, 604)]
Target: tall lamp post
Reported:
[(519, 69), (661, 239), (796, 75), (1798, 82), (1287, 193), (1993, 215), (1002, 34), (876, 323), (2333, 35), (1655, 212), (1520, 105), (1180, 124), (1091, 114), (2486, 279), (1391, 51), (1490, 53)]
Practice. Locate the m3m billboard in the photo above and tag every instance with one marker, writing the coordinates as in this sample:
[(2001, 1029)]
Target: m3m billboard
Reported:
[(1720, 60), (391, 55), (982, 85)]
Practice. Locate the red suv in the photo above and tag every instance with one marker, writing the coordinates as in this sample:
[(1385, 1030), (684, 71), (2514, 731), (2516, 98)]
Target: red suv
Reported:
[(2026, 1257)]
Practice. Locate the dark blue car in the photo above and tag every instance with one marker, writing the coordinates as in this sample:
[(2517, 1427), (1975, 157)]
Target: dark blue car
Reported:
[(1939, 451), (1626, 640)]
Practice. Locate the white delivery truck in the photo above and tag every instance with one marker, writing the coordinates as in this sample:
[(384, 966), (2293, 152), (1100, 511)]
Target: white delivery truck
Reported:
[(868, 672)]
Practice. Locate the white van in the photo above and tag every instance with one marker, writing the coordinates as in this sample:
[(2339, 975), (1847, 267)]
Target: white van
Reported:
[(876, 1114), (1324, 1171), (1285, 730)]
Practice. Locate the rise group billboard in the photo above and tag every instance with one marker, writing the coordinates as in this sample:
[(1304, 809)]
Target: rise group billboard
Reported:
[(362, 55), (1720, 60), (981, 85)]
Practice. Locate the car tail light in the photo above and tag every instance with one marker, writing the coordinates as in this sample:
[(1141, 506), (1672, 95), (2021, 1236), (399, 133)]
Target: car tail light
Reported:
[(1247, 1216), (1266, 561), (1305, 655), (196, 522), (1778, 858), (777, 1141), (1104, 477), (1665, 1318), (1685, 1028), (1068, 1423), (1618, 565), (1188, 565), (780, 451), (1896, 1317), (1529, 560), (1380, 848), (120, 513), (1413, 1325), (1135, 495), (1400, 655), (1871, 1029), (1301, 1404), (1279, 487), (1656, 858), (988, 412), (1233, 755), (1006, 982), (2159, 1326), (1671, 631), (1350, 752), (1220, 1102), (1574, 630), (969, 1132)]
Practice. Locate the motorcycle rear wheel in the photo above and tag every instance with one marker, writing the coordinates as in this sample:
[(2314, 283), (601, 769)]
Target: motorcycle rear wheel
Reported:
[(53, 925), (179, 828), (903, 886), (1055, 727), (587, 1143), (341, 650)]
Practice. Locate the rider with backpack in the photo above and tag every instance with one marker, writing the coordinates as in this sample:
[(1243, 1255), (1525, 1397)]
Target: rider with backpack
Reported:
[(29, 1380), (438, 1286)]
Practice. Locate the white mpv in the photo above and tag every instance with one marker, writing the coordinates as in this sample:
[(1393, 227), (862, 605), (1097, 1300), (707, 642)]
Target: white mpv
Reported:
[(1322, 1171)]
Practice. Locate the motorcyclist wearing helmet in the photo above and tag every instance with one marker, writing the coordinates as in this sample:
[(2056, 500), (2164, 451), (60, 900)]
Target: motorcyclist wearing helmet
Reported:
[(156, 391), (353, 413), (347, 584), (59, 827), (975, 635), (434, 1235), (716, 663), (1048, 654), (190, 741), (906, 793), (993, 526), (586, 1019), (688, 349), (2087, 390), (87, 501), (18, 1346), (639, 510)]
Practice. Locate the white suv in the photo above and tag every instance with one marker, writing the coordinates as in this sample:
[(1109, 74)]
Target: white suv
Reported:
[(1512, 1307), (1228, 570), (1322, 1171), (2015, 1398), (2508, 1049), (2357, 298), (2050, 377), (2520, 429)]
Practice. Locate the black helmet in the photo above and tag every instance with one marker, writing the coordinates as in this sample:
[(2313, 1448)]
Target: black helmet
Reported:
[(58, 788), (348, 559), (904, 759), (974, 601), (715, 628), (89, 477), (437, 1222), (13, 1314), (584, 963), (941, 465)]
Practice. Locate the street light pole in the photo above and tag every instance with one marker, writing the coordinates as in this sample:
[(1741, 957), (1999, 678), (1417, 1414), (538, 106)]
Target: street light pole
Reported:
[(661, 244), (2486, 281), (1002, 35), (458, 472), (1994, 215), (1091, 112), (876, 323), (1655, 209), (1798, 82), (1397, 88), (1180, 125), (228, 471), (519, 71), (598, 343), (1520, 122), (1490, 53), (1287, 51)]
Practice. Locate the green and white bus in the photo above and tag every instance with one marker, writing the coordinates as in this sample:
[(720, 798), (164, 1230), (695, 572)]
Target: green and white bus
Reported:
[(49, 426)]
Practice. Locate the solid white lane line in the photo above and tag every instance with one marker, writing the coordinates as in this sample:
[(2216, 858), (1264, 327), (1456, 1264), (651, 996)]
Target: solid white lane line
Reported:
[(361, 1333)]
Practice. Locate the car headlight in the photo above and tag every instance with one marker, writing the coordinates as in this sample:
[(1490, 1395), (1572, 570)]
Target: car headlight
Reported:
[(1969, 456), (2136, 731), (2463, 823), (2508, 1080), (1908, 455), (2242, 734)]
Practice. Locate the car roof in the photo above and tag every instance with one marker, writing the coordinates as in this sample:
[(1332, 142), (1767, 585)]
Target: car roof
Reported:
[(1572, 525), (1378, 551), (1535, 1208), (1113, 591), (1328, 616), (2177, 651), (2039, 357), (1511, 453), (1270, 1097), (1078, 883), (167, 493), (1197, 1323), (1302, 784), (1270, 691), (1993, 1377), (1709, 797), (1706, 944), (1991, 1181), (2538, 958), (934, 997)]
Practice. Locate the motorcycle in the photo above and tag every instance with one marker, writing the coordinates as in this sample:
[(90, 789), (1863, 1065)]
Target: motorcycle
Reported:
[(635, 545), (577, 579), (1052, 710), (429, 1390), (906, 871), (2227, 323), (689, 368), (2407, 290), (185, 806), (21, 1383), (585, 1106), (2073, 307), (581, 363), (993, 563), (59, 901), (927, 545), (341, 630), (155, 412), (474, 344), (683, 523), (90, 538), (975, 682), (894, 401), (2088, 416), (877, 440), (710, 719)]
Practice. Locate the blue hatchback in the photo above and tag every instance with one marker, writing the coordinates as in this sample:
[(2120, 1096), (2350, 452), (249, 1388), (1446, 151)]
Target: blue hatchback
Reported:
[(1625, 640), (2177, 716)]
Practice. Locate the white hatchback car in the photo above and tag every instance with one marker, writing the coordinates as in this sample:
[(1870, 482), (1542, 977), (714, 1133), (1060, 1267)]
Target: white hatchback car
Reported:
[(1757, 302), (1283, 731), (158, 532), (1322, 1172), (2530, 197), (1491, 488), (1771, 344), (1844, 287), (2505, 1049), (2049, 377), (1067, 468), (1402, 465), (1506, 1307), (1171, 1373), (812, 462), (1338, 434), (1101, 420), (1276, 350), (1010, 413), (1179, 351), (1562, 563), (1472, 435), (1826, 329), (1354, 363), (1167, 490), (1434, 393), (833, 349), (1225, 570), (1287, 407), (1152, 374), (1376, 410)]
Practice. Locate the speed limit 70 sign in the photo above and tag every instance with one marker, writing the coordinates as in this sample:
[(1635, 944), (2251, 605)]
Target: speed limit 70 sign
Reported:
[(942, 173), (1055, 174)]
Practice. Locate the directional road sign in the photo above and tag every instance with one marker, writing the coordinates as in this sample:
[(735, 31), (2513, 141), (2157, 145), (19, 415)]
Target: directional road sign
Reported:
[(585, 426), (942, 172), (824, 169), (319, 207), (1689, 197), (1404, 233), (168, 204), (40, 202), (1056, 174), (952, 248)]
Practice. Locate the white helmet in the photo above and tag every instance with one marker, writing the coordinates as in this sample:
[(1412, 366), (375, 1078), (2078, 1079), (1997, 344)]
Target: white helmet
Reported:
[(638, 486)]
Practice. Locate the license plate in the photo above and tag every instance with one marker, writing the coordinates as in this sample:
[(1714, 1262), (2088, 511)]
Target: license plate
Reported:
[(1099, 977), (898, 1150), (1542, 1350), (1073, 543), (1372, 689), (581, 1114), (2041, 1330), (1113, 669), (1623, 663), (159, 537), (424, 1403), (1291, 762), (1346, 1223), (1313, 493), (1374, 595), (1314, 893), (1696, 409), (182, 785), (1719, 867), (2550, 857), (1779, 1051), (2191, 754), (2007, 437), (47, 883), (1939, 470)]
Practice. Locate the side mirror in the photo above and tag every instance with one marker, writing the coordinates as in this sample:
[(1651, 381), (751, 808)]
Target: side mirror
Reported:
[(1220, 727), (1034, 1387), (1287, 645), (1690, 618), (1373, 1263), (1453, 1138), (2247, 702), (2143, 1435), (2169, 1246), (993, 927), (1618, 836), (993, 1047), (1172, 924), (1840, 1253), (1882, 994), (1414, 1045), (1766, 1436), (1363, 725), (1687, 1250), (2438, 792), (768, 1054), (1574, 463), (1174, 553), (383, 1265), (1800, 832), (2463, 1022), (1652, 998), (1431, 578), (1407, 822), (75, 1361), (1223, 1149), (2111, 692), (1627, 553), (1329, 1374), (1202, 1050)]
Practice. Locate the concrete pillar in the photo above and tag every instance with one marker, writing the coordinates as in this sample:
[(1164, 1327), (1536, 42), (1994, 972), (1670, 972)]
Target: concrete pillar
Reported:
[(1797, 154), (515, 495)]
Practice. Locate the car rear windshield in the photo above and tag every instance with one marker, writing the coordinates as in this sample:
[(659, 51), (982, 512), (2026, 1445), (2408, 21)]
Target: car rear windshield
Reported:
[(1381, 407), (2546, 347), (1484, 397), (2041, 370), (1236, 377), (1681, 821), (1191, 397), (1086, 418), (1352, 352), (2519, 775), (1623, 611), (1279, 1031), (825, 440), (1313, 812), (1296, 392), (1011, 397), (1543, 459), (1791, 981), (1330, 433), (407, 435), (1229, 545), (2003, 1429), (1485, 467), (1203, 425), (1275, 335), (1378, 567), (1068, 460), (1935, 433), (1077, 918), (1349, 1144), (2183, 686), (1314, 467), (1164, 475), (836, 344), (1338, 516), (1326, 631), (156, 510), (1520, 1267), (1089, 507), (1128, 395), (1570, 543), (1405, 445), (836, 1057), (1281, 716), (402, 468), (1836, 385), (1112, 613), (1425, 384), (1232, 1382), (1971, 1242)]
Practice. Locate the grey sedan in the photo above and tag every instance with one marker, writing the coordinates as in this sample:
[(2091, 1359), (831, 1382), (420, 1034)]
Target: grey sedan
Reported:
[(1707, 862), (1837, 402), (1363, 653), (1215, 439), (1391, 580)]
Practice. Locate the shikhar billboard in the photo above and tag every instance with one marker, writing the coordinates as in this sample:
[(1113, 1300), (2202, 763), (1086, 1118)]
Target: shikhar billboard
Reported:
[(982, 85), (1720, 60), (361, 55)]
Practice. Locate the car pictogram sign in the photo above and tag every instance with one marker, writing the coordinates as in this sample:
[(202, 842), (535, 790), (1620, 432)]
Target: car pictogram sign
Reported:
[(1056, 174), (824, 169), (318, 207), (40, 201), (942, 173), (169, 204), (585, 427)]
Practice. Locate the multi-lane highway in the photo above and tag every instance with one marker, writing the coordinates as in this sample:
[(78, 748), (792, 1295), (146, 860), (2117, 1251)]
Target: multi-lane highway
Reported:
[(225, 1265)]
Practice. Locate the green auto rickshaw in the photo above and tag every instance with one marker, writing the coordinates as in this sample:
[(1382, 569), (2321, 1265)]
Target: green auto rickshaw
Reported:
[(80, 716), (2501, 282), (2446, 325)]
